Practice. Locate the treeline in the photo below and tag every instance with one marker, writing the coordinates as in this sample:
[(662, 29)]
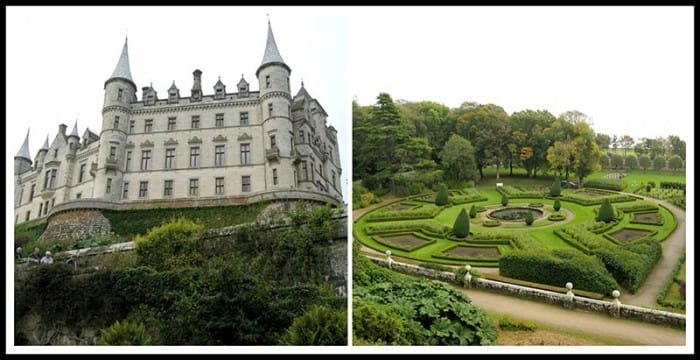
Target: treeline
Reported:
[(409, 147)]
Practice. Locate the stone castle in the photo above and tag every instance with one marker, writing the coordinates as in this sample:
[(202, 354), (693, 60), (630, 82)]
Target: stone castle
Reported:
[(203, 150)]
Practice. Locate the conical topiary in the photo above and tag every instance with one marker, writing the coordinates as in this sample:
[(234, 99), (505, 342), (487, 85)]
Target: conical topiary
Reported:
[(461, 227), (555, 190), (557, 205), (606, 212), (504, 200), (472, 212), (529, 219), (442, 197)]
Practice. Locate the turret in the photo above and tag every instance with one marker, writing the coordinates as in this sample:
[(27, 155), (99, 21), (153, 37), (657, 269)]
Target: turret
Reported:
[(73, 139), (41, 154), (23, 161), (120, 92), (275, 101)]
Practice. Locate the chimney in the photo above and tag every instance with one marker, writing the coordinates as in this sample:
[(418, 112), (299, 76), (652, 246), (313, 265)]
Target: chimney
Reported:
[(196, 86)]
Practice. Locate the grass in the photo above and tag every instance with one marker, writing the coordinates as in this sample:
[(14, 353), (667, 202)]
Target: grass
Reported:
[(635, 178)]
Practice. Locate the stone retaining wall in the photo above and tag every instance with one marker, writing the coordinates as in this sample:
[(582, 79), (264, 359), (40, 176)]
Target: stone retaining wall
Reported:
[(80, 224), (611, 308)]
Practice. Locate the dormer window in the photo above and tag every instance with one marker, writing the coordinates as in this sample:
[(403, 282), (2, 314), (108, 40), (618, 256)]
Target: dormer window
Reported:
[(172, 98), (219, 90), (150, 99), (173, 94)]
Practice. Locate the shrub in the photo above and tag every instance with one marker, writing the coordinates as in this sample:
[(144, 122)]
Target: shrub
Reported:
[(607, 184), (606, 212), (461, 227), (648, 187), (556, 217), (630, 264), (555, 190), (442, 198), (320, 325), (631, 162), (557, 205), (491, 223), (170, 246), (504, 200), (529, 219), (472, 212), (506, 323), (125, 333)]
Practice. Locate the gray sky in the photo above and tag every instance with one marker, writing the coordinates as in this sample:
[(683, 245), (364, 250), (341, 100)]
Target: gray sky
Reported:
[(630, 69), (58, 59)]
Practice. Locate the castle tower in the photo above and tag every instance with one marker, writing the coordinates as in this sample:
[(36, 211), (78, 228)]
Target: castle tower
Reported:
[(41, 154), (73, 141), (23, 161), (120, 92), (275, 101)]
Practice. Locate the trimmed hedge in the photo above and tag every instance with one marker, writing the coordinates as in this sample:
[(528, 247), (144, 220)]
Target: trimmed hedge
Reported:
[(427, 211), (443, 255), (392, 245), (430, 227), (557, 267), (556, 217), (515, 192), (461, 226), (630, 264), (661, 298), (607, 184), (442, 198), (638, 207)]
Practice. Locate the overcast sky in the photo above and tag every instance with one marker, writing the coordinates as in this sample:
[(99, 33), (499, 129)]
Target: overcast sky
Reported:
[(58, 59), (630, 69)]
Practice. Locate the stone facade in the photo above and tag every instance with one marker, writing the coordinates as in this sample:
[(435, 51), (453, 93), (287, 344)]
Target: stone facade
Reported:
[(238, 144), (80, 224)]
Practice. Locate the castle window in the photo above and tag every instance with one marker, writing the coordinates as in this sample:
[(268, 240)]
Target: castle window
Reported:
[(81, 174), (46, 207), (273, 141), (219, 155), (333, 177), (116, 122), (146, 160), (219, 186), (128, 161), (125, 191), (26, 218), (31, 192), (301, 136), (55, 153), (267, 81), (245, 154), (269, 109), (309, 138), (244, 118), (148, 125), (143, 189), (119, 94), (168, 188), (53, 202), (41, 207), (173, 97), (320, 168), (219, 120), (195, 121), (194, 187), (291, 142), (169, 158), (245, 183), (132, 124), (150, 99), (304, 171), (78, 195), (109, 186), (194, 157), (171, 124), (274, 176), (220, 93), (113, 153), (52, 182), (21, 194)]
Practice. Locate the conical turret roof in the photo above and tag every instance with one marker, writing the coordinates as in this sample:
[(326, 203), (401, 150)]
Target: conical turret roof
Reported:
[(24, 150), (123, 70), (75, 129), (272, 54), (46, 144)]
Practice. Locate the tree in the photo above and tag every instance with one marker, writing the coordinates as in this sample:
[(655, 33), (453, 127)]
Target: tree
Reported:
[(559, 157), (574, 116), (457, 159), (487, 128), (659, 163), (606, 212), (675, 162), (603, 140), (472, 212), (616, 161), (504, 200), (442, 197), (529, 219), (605, 161), (644, 162), (555, 189), (461, 227), (430, 120), (676, 146), (586, 154), (626, 143), (631, 162), (557, 205), (531, 138)]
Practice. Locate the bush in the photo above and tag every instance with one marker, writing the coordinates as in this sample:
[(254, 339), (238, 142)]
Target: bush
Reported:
[(442, 198), (491, 223), (555, 190), (472, 212), (504, 200), (606, 212), (557, 205), (461, 227), (508, 324), (630, 264), (170, 246), (529, 219), (606, 184), (320, 325), (556, 217), (125, 333)]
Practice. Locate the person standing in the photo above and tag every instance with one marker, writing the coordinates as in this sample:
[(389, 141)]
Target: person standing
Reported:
[(18, 253), (35, 256), (47, 259)]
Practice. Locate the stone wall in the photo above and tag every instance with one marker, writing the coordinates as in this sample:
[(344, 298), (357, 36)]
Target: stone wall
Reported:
[(72, 225), (611, 308)]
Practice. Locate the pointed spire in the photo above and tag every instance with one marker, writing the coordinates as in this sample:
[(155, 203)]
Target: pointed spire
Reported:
[(122, 70), (272, 54), (75, 129), (24, 150), (173, 87), (46, 143)]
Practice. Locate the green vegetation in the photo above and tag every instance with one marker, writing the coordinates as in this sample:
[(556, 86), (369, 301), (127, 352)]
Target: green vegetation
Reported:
[(260, 285), (461, 227), (557, 205), (555, 190), (508, 324), (504, 200), (472, 212), (442, 198), (529, 219), (672, 294), (606, 212)]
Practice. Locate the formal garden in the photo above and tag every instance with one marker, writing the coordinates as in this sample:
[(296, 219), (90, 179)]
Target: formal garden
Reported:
[(599, 239)]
